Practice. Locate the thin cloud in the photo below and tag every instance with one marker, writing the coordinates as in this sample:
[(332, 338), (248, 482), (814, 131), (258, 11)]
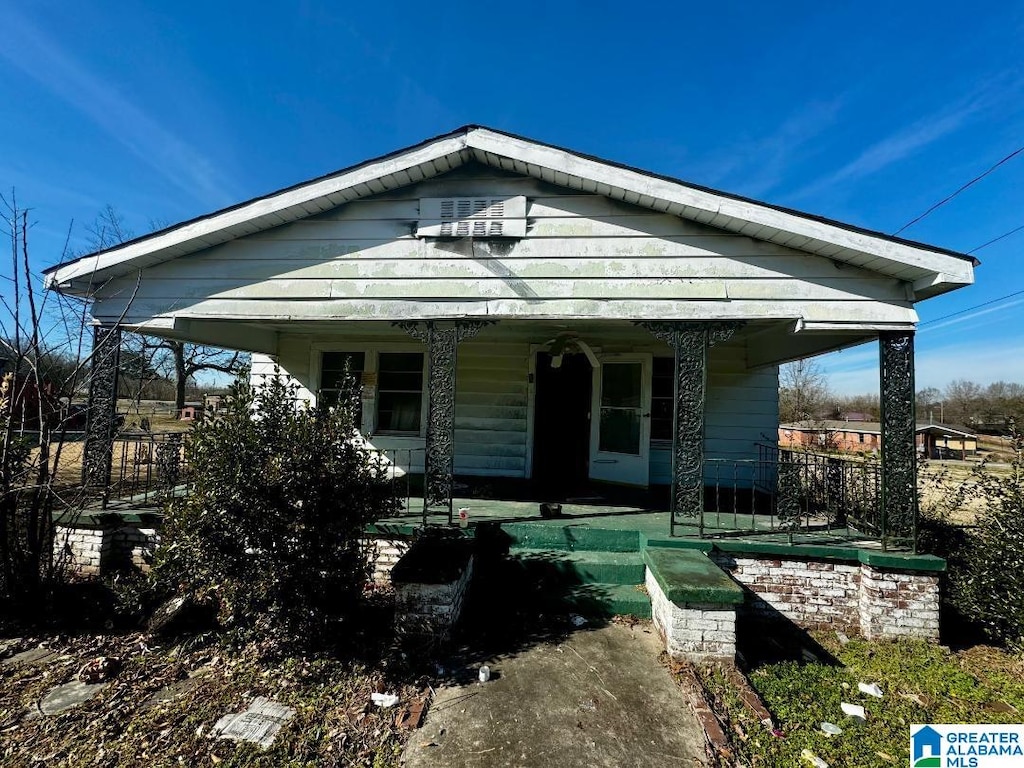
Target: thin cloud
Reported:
[(985, 364), (38, 56), (760, 165), (973, 315), (905, 142)]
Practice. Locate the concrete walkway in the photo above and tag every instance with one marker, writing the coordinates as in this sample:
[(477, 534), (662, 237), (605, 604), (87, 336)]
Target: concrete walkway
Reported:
[(599, 698)]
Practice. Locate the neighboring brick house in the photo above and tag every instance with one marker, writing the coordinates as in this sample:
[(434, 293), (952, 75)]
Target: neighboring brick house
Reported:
[(934, 441)]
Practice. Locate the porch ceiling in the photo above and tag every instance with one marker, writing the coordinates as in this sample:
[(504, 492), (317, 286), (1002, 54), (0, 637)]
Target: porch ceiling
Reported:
[(767, 342)]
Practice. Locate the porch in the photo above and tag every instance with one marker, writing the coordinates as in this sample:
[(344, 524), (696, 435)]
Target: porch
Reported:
[(786, 497)]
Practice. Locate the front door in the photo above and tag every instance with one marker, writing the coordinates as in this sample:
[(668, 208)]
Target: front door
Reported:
[(620, 427), (561, 431)]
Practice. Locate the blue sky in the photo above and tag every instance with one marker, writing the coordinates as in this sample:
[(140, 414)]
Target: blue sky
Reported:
[(864, 112)]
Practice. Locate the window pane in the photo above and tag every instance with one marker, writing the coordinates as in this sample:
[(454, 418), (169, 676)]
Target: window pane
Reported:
[(401, 382), (332, 377), (399, 391), (332, 368), (620, 385), (661, 398), (401, 361), (620, 431), (398, 411)]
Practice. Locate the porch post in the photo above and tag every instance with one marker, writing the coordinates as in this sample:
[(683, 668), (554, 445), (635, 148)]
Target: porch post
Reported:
[(899, 448), (101, 414), (689, 342), (442, 341)]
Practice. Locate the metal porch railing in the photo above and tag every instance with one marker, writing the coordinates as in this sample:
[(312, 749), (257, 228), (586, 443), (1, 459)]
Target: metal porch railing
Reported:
[(790, 492)]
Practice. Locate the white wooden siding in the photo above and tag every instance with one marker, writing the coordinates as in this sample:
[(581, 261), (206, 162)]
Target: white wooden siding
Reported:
[(583, 256), (741, 410), (491, 410)]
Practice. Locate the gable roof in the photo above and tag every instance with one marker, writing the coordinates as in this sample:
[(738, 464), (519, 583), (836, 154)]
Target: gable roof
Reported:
[(931, 270)]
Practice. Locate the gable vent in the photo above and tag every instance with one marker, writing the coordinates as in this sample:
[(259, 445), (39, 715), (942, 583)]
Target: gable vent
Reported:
[(472, 217)]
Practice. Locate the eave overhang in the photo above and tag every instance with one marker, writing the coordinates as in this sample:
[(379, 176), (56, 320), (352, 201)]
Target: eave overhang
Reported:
[(928, 270)]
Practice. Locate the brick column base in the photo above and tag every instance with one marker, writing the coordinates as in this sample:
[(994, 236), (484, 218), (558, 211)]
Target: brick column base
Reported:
[(898, 604), (693, 631)]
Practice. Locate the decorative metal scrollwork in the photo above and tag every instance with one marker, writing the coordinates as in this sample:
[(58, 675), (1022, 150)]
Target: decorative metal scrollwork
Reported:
[(102, 410), (899, 460), (442, 340), (690, 342), (168, 463)]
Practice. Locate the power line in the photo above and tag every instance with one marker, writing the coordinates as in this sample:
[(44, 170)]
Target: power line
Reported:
[(986, 303), (970, 183), (970, 309), (996, 239)]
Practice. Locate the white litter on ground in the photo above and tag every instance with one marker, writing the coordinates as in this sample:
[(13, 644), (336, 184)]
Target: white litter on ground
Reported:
[(258, 724), (384, 699), (871, 689)]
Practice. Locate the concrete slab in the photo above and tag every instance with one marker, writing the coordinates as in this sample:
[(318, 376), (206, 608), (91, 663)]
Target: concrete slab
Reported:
[(600, 698), (30, 657), (69, 695), (171, 692)]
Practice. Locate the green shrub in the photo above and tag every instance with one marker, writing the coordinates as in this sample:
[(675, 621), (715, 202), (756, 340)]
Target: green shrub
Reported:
[(985, 582), (274, 523)]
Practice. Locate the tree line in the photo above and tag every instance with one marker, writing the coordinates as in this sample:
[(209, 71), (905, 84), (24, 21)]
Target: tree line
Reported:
[(805, 395)]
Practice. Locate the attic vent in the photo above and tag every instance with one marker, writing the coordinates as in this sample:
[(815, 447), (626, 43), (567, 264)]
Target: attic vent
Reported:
[(472, 217)]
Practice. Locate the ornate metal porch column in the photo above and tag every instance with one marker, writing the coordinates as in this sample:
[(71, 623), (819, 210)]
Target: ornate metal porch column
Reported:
[(899, 445), (102, 411), (689, 342), (442, 341)]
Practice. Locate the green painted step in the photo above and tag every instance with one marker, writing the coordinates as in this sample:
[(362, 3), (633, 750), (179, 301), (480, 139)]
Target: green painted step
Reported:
[(600, 601), (570, 537), (689, 576), (581, 566)]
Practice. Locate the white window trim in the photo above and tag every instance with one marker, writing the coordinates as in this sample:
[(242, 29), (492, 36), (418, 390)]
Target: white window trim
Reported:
[(371, 358)]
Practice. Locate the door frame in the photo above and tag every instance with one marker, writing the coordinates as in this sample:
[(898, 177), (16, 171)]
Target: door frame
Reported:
[(637, 468)]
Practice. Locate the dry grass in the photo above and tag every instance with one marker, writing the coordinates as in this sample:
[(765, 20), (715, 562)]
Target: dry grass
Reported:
[(335, 722), (951, 488)]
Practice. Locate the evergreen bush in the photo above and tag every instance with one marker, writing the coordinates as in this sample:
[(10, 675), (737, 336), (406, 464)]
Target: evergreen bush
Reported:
[(985, 583), (274, 525)]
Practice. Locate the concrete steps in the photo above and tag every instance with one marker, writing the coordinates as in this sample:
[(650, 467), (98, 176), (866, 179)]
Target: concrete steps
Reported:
[(569, 538), (595, 573), (581, 567)]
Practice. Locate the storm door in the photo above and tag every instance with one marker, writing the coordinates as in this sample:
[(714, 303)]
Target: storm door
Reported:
[(620, 426)]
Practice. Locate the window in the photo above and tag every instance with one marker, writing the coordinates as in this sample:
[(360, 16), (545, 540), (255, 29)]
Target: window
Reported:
[(332, 377), (662, 392), (399, 392)]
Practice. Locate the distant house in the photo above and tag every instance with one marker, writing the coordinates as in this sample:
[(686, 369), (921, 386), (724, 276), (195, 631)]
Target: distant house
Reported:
[(857, 416), (934, 441)]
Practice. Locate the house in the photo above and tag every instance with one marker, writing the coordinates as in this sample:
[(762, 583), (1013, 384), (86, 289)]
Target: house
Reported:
[(521, 311), (932, 441), (941, 441), (553, 326)]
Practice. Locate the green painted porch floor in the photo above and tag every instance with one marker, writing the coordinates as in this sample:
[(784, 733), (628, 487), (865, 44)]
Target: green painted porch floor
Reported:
[(592, 559), (624, 528)]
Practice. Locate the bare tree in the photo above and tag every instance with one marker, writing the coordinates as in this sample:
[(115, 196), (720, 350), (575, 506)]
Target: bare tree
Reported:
[(962, 402), (44, 364), (185, 361), (178, 361), (803, 391), (929, 404)]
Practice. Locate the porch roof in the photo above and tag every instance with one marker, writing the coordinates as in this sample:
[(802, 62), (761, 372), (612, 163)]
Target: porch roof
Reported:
[(930, 270)]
